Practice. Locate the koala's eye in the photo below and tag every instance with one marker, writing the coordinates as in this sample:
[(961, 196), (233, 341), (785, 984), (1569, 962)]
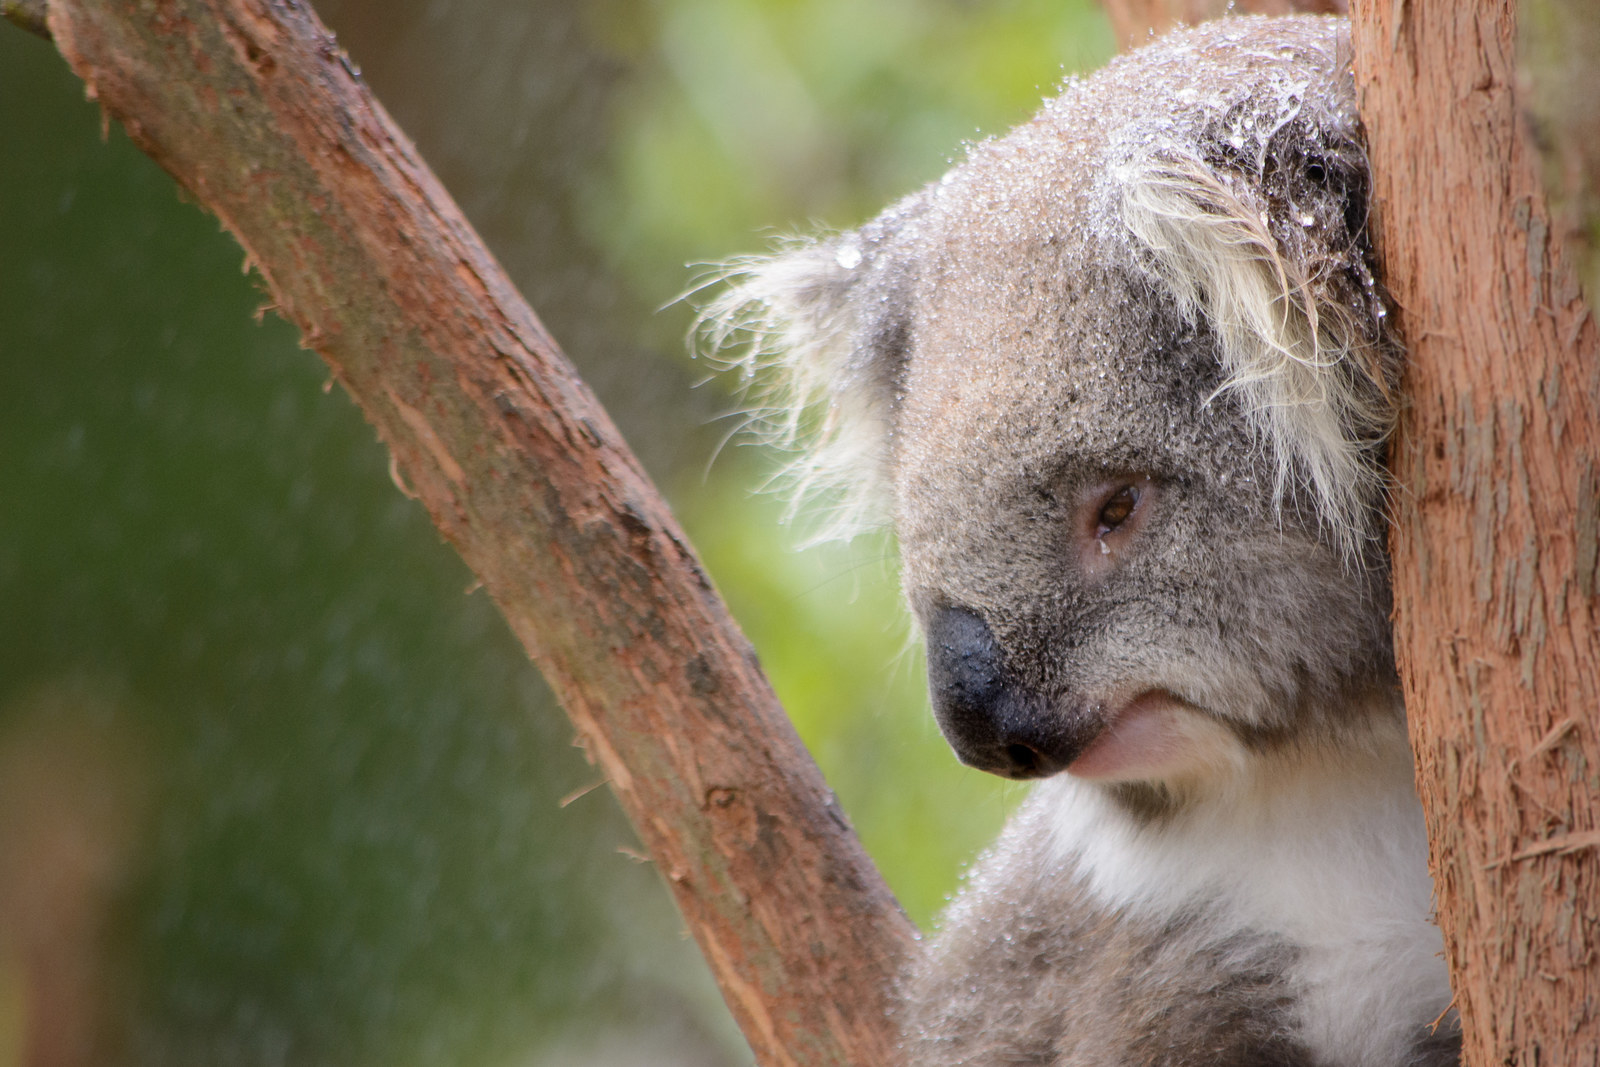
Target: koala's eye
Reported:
[(1116, 511), (1109, 518)]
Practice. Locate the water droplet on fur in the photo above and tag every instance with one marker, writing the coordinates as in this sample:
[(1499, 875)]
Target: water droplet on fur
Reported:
[(848, 257)]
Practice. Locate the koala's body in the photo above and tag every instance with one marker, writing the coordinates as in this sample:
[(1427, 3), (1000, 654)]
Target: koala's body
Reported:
[(1121, 380)]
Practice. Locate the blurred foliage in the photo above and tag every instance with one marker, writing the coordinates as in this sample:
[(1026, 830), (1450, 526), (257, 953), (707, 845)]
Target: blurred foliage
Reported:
[(273, 787), (353, 852), (750, 115)]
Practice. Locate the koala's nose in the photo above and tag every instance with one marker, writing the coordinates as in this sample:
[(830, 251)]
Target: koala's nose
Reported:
[(992, 723)]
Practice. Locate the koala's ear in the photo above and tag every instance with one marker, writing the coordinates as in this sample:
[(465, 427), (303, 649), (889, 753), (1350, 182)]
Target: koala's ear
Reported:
[(819, 333), (1313, 366)]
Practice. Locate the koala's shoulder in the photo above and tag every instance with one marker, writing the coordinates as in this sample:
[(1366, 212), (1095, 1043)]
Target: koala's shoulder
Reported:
[(1030, 968)]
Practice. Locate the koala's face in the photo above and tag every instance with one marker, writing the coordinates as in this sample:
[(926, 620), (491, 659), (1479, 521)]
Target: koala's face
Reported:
[(1122, 378), (1092, 536)]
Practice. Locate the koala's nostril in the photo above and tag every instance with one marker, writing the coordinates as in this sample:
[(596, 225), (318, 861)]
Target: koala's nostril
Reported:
[(1024, 760)]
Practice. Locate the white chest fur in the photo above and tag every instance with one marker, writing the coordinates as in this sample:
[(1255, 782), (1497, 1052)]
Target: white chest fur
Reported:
[(1327, 853)]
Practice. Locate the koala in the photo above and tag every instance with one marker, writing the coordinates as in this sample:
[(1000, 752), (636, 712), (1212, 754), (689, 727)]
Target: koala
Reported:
[(1122, 380)]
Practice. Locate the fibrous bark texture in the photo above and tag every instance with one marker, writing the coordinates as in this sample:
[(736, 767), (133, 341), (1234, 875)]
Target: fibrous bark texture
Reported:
[(252, 106), (1495, 545), (1136, 21)]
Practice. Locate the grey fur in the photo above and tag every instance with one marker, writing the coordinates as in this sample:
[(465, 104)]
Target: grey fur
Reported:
[(1160, 288), (1175, 993)]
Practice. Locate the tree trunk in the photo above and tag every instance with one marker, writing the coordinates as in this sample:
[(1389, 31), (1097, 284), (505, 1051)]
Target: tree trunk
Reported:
[(1495, 543), (253, 108)]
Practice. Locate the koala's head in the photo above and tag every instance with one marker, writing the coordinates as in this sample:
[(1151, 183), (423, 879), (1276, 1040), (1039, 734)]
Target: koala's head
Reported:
[(1121, 381)]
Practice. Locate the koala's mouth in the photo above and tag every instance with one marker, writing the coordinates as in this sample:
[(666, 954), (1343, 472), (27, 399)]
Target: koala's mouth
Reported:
[(1156, 735)]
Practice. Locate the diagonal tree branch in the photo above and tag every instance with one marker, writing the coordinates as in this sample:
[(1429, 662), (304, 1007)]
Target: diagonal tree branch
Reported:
[(253, 108)]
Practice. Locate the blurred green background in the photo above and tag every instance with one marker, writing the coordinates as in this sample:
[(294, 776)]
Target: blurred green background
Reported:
[(275, 786)]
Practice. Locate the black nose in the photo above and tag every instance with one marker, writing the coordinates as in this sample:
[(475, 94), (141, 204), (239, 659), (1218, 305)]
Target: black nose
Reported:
[(993, 723)]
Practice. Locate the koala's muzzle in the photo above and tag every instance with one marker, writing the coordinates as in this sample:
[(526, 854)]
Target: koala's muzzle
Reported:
[(991, 722)]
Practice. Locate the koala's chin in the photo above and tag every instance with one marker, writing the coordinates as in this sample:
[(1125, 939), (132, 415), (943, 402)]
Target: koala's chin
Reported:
[(1121, 380)]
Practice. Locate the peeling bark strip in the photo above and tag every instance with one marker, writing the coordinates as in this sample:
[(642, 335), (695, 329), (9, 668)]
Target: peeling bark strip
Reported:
[(1496, 619), (252, 106)]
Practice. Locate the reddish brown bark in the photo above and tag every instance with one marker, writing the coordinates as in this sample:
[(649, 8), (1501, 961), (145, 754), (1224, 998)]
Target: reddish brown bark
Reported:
[(1495, 545), (1135, 21), (251, 105)]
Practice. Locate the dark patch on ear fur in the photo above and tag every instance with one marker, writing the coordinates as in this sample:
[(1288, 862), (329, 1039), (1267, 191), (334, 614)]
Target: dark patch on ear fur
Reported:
[(890, 347)]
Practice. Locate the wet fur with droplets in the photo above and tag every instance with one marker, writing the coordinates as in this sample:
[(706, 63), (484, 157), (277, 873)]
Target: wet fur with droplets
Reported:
[(1162, 285)]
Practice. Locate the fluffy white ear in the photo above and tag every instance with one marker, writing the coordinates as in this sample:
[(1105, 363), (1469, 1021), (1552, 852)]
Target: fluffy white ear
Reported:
[(817, 332), (1310, 368)]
